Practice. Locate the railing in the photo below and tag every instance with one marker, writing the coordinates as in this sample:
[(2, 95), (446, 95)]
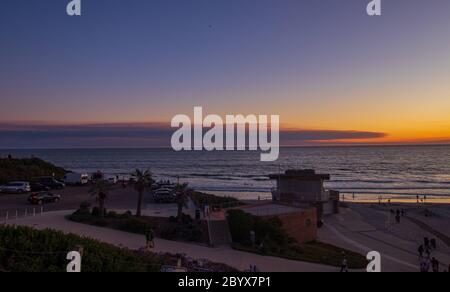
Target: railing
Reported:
[(271, 211), (226, 205), (9, 215)]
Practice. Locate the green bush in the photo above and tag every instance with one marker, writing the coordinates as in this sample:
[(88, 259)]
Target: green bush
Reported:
[(95, 212), (136, 225), (29, 250), (170, 231), (191, 232), (112, 214), (85, 207), (101, 223), (241, 224), (80, 216), (27, 169), (201, 199)]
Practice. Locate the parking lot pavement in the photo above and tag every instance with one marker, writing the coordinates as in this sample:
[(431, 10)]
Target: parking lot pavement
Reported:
[(71, 199)]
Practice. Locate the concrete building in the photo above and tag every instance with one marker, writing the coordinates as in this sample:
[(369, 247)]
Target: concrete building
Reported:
[(299, 223), (304, 189)]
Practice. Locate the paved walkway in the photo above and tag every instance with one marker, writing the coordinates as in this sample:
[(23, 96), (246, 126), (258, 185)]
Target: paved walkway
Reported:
[(365, 230), (237, 259)]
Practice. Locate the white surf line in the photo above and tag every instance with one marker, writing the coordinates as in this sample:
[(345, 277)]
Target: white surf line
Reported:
[(365, 248)]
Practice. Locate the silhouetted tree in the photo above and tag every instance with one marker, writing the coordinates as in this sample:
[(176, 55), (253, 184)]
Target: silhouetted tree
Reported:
[(182, 198), (143, 180), (100, 190)]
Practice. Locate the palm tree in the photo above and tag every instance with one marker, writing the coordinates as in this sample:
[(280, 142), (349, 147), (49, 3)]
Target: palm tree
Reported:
[(183, 192), (100, 190), (143, 180)]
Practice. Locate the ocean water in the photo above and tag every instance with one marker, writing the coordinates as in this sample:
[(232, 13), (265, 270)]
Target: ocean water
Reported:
[(394, 170)]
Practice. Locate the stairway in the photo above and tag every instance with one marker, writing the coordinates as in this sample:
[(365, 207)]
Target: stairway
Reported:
[(219, 233)]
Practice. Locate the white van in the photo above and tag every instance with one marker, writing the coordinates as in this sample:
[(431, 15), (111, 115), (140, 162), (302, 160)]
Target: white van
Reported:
[(76, 179)]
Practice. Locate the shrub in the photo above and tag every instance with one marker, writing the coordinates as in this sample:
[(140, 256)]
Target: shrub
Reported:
[(191, 232), (112, 214), (101, 222), (136, 225), (27, 250), (27, 169), (85, 207), (241, 224), (170, 231), (186, 219), (80, 216), (95, 212)]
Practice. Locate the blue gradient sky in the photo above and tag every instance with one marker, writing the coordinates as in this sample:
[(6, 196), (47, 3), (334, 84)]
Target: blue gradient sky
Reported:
[(320, 64)]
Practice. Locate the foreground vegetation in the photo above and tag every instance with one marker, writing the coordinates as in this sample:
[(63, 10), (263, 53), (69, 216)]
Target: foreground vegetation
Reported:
[(12, 169), (271, 240), (23, 249)]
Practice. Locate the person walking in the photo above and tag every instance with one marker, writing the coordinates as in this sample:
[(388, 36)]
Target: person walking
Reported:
[(150, 237), (397, 217), (344, 265), (435, 265), (433, 243), (421, 250), (426, 242), (425, 265)]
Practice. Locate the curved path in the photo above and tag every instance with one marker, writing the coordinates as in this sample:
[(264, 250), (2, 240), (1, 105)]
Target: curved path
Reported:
[(237, 259)]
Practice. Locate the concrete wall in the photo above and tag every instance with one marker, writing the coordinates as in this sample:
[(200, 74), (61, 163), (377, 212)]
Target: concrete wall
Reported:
[(301, 226)]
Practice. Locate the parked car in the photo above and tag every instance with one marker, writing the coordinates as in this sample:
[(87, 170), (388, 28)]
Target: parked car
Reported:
[(112, 179), (164, 196), (37, 187), (76, 179), (43, 198), (18, 187), (51, 183)]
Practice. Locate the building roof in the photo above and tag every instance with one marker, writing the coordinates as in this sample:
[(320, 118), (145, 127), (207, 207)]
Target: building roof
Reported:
[(301, 174), (270, 209)]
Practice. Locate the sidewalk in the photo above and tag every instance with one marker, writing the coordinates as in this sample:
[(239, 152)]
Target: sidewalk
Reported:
[(237, 259), (352, 230)]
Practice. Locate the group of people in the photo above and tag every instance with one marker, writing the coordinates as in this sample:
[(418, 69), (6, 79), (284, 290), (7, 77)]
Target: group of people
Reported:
[(254, 269), (428, 262), (398, 215), (423, 200)]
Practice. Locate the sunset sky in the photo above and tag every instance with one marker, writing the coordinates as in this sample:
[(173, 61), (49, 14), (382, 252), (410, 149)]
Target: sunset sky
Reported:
[(120, 72)]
